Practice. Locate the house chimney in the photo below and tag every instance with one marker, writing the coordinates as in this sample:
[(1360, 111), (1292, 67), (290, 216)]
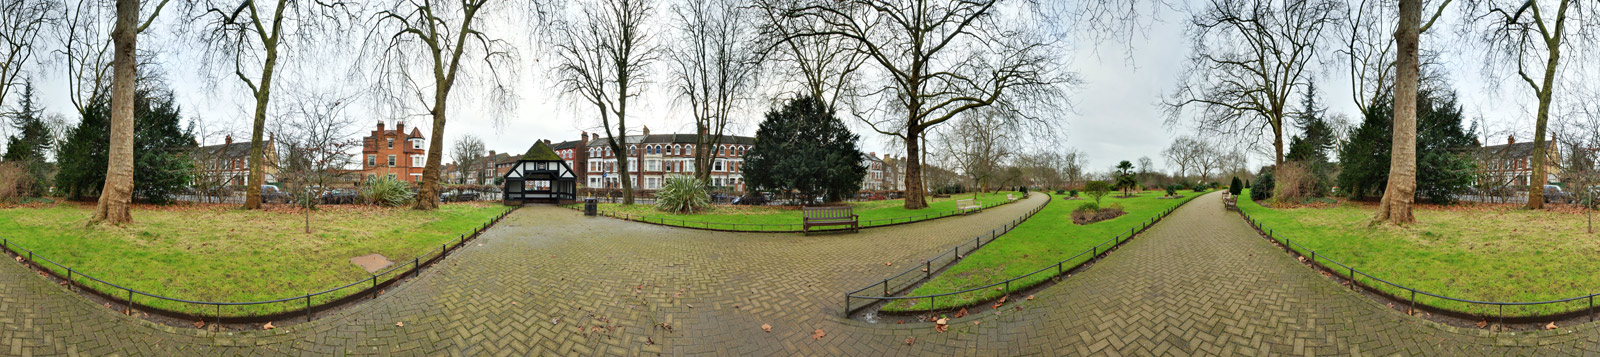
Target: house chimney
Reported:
[(380, 127), (585, 137), (1511, 139), (647, 130), (228, 140), (400, 128)]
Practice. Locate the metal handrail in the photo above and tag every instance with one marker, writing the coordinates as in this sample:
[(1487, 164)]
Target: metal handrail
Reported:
[(1060, 266), (1350, 273), (415, 265), (790, 227)]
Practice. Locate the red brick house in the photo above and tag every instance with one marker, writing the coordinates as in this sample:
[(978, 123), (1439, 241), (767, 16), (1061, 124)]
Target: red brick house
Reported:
[(393, 153)]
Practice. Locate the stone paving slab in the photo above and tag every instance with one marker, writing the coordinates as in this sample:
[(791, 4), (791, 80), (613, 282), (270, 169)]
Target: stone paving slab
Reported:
[(548, 281)]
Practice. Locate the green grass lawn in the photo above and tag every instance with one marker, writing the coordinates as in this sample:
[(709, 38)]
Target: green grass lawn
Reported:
[(217, 253), (1484, 253), (788, 219), (1040, 242)]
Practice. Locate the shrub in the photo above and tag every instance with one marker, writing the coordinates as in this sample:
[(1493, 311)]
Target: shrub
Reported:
[(1236, 186), (1087, 207), (14, 181), (385, 191), (1074, 193), (1198, 187), (1062, 192), (682, 195), (1294, 183), (1097, 189), (1172, 190), (1264, 186)]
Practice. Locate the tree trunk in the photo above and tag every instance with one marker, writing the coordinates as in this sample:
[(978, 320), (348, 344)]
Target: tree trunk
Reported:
[(1537, 182), (118, 192), (1277, 143), (1401, 192), (915, 197), (252, 197), (428, 191)]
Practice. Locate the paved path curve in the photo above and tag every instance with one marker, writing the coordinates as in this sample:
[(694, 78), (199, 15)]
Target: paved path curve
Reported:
[(549, 281)]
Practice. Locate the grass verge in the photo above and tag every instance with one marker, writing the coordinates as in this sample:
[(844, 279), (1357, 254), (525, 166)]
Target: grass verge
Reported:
[(768, 218), (1475, 252), (1040, 242), (222, 254)]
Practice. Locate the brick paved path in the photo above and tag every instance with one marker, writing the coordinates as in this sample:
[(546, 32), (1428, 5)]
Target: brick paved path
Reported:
[(548, 281)]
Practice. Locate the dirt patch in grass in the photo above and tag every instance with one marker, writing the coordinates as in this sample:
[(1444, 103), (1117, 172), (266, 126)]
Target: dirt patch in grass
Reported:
[(372, 262), (1090, 217)]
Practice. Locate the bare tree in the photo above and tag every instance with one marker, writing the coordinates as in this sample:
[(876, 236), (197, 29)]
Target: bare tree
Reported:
[(1523, 34), (1249, 59), (980, 146), (1071, 163), (84, 47), (424, 49), (604, 56), (1366, 36), (316, 151), (118, 192), (1185, 153), (1401, 192), (249, 38), (715, 69), (21, 22), (827, 67), (936, 61), (469, 158)]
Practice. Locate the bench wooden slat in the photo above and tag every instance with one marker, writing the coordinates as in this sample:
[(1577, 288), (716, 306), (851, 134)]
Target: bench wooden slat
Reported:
[(829, 216)]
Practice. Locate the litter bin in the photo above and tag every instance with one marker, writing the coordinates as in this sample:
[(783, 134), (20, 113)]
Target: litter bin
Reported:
[(589, 207)]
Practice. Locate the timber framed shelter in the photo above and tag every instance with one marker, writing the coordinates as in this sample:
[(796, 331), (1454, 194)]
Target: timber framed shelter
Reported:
[(541, 177)]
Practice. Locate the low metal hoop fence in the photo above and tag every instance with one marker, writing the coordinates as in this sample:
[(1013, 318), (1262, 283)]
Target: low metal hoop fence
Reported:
[(906, 280), (790, 227), (213, 311), (1579, 305)]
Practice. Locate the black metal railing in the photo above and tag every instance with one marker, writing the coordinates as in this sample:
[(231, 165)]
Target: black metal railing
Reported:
[(126, 296), (790, 227), (1408, 294), (901, 282)]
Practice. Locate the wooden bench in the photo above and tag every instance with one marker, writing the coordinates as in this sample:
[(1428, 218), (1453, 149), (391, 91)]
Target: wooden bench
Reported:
[(967, 205), (1009, 197), (830, 216), (1230, 201)]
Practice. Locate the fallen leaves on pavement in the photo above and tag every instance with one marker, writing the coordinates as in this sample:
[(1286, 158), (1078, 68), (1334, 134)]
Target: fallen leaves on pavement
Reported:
[(962, 313), (1551, 326), (818, 335), (942, 325), (268, 326), (766, 327)]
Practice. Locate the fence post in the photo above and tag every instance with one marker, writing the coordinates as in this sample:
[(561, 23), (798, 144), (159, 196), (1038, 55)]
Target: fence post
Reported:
[(885, 287), (1353, 280), (374, 286), (1413, 310), (308, 307), (846, 305), (928, 269), (69, 279), (130, 303)]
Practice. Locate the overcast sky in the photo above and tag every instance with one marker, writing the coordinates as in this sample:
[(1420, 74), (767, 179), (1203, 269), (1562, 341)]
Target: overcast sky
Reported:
[(1117, 113)]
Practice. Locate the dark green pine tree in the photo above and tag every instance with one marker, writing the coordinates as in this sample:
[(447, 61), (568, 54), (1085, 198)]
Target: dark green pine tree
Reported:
[(803, 147), (29, 146), (1443, 165), (1316, 139), (161, 167)]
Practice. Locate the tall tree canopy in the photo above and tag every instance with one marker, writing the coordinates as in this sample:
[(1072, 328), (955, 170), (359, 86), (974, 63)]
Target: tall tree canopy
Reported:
[(804, 147), (161, 166), (1444, 167), (28, 147)]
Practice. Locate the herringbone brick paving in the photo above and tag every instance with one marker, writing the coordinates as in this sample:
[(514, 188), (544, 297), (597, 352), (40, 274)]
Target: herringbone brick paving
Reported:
[(547, 281)]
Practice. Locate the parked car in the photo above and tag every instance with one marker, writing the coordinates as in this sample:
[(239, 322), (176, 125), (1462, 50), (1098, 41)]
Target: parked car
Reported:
[(271, 194), (458, 196), (751, 200), (1554, 194), (340, 196)]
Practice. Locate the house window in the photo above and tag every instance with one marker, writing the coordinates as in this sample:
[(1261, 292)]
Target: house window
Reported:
[(391, 161), (630, 150), (416, 144), (372, 160), (416, 160), (391, 143), (716, 166)]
